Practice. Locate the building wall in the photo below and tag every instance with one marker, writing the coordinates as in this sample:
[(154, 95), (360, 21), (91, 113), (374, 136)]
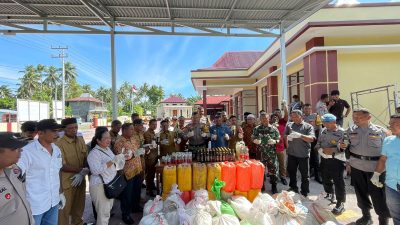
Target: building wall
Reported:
[(166, 110), (80, 109), (364, 71), (249, 101)]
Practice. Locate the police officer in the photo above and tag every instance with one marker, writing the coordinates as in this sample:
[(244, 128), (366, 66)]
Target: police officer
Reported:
[(196, 133), (73, 172), (266, 136), (332, 161), (365, 149), (151, 156), (14, 208)]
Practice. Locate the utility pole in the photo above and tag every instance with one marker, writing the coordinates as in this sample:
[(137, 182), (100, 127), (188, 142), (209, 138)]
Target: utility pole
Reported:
[(61, 55)]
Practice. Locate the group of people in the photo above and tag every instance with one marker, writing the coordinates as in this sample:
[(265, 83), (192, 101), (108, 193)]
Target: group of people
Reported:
[(52, 160)]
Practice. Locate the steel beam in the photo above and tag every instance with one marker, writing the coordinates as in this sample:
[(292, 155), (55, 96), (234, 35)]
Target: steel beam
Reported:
[(16, 26), (30, 8), (96, 12), (76, 26)]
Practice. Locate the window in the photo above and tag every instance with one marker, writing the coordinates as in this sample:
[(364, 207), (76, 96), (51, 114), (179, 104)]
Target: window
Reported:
[(296, 85), (264, 98), (173, 104)]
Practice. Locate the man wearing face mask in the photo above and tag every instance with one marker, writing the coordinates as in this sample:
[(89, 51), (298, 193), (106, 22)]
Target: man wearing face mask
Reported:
[(73, 172)]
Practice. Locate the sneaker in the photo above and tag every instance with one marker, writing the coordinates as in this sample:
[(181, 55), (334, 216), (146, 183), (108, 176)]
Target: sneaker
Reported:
[(330, 198), (364, 220), (283, 181), (339, 209)]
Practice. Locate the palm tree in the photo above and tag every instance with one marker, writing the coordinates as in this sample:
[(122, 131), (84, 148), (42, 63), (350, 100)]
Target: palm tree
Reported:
[(86, 88), (124, 91), (70, 72), (5, 92), (29, 82), (53, 79)]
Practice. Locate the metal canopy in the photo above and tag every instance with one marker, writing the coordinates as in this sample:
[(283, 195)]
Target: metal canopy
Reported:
[(241, 18), (235, 18)]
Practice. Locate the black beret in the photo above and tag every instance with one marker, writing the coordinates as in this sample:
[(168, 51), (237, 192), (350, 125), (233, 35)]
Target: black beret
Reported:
[(48, 124)]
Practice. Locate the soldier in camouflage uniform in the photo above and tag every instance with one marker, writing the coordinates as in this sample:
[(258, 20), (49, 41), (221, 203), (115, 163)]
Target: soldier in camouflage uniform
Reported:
[(266, 136)]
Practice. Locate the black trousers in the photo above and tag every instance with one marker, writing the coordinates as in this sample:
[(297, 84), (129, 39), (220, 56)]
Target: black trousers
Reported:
[(293, 164), (365, 189), (130, 197), (314, 156), (332, 174)]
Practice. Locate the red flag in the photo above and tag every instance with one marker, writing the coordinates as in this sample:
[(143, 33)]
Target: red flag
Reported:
[(134, 89)]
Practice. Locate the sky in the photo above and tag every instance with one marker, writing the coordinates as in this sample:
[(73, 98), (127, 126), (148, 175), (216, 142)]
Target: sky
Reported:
[(159, 60)]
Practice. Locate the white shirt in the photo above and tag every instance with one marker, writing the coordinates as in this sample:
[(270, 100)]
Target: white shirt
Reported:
[(321, 108), (42, 176), (97, 160)]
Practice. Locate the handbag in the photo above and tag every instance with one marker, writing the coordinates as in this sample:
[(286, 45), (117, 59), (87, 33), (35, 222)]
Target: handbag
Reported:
[(115, 187)]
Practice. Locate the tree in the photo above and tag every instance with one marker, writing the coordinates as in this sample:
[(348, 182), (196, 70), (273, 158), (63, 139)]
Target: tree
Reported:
[(73, 89), (193, 99), (104, 94), (124, 92), (52, 79), (179, 95), (86, 88), (29, 82), (5, 92), (8, 103), (70, 72), (138, 109)]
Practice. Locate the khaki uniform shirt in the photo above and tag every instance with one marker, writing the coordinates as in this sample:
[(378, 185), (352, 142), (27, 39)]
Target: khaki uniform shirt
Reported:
[(14, 208), (170, 147), (74, 154), (149, 137)]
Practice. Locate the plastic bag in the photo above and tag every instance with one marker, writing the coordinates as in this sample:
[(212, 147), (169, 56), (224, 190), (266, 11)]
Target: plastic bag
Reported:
[(225, 220), (173, 201), (228, 175), (310, 219), (214, 208), (201, 217), (260, 218), (199, 176), (185, 196), (225, 196), (169, 178), (252, 194), (285, 219), (241, 206), (153, 219), (245, 222), (153, 206), (227, 209), (239, 193), (216, 188), (287, 205), (178, 217), (322, 201), (265, 203), (185, 177), (200, 197), (321, 214)]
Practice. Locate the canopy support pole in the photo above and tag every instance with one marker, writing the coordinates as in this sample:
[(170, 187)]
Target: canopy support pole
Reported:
[(283, 63), (113, 76)]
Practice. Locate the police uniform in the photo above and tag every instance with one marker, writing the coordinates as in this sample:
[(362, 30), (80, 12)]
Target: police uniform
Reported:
[(314, 158), (268, 152), (74, 152), (197, 140), (332, 164), (14, 208), (365, 149), (150, 160)]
